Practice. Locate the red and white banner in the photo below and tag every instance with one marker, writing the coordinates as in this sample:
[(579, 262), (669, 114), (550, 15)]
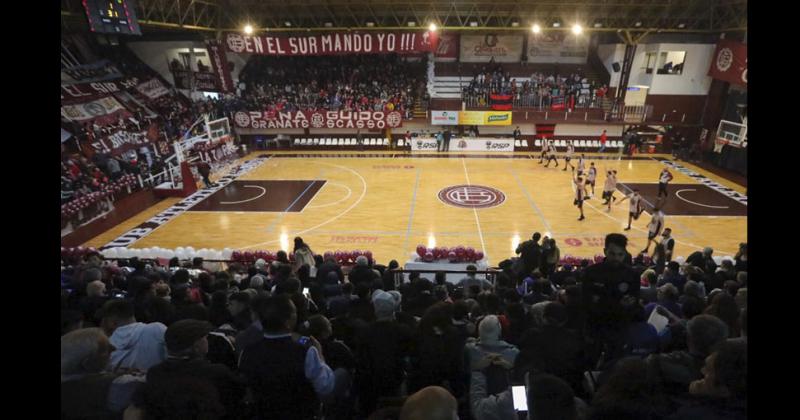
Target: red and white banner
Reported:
[(730, 62), (482, 48), (319, 119), (122, 141), (219, 63), (152, 88), (447, 50), (105, 110), (333, 43), (85, 91)]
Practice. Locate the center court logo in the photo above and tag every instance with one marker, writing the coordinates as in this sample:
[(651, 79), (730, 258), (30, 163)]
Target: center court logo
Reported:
[(472, 196)]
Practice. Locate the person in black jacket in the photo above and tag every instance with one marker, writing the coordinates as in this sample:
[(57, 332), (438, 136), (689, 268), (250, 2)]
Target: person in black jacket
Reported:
[(607, 287), (187, 346), (530, 253)]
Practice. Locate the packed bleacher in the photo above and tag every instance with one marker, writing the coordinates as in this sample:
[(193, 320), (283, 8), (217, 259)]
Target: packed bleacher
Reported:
[(348, 83), (539, 90), (310, 335)]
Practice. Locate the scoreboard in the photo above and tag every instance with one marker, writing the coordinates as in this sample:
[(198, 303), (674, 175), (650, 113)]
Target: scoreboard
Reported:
[(112, 16)]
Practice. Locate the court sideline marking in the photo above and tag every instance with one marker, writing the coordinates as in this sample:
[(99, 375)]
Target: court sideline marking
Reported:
[(411, 213), (572, 185), (678, 194), (363, 194), (263, 191), (530, 199), (475, 211)]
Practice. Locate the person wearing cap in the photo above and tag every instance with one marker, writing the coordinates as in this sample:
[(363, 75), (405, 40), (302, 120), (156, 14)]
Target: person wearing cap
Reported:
[(187, 347), (381, 350), (286, 373)]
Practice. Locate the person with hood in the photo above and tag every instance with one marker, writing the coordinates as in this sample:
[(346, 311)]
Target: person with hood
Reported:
[(136, 345), (302, 254)]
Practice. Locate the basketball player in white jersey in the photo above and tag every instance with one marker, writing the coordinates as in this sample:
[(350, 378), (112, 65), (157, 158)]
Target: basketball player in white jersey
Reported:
[(663, 179), (568, 157), (591, 177), (580, 193), (551, 155), (581, 165), (609, 188), (635, 208), (654, 227), (545, 148)]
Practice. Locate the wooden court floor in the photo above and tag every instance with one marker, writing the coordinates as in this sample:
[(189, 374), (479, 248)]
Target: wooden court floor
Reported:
[(389, 202)]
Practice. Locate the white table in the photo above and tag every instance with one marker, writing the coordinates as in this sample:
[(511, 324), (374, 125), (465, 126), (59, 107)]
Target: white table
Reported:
[(444, 265), (465, 144)]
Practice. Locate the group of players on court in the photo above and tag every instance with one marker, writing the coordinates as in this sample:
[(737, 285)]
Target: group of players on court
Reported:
[(636, 201)]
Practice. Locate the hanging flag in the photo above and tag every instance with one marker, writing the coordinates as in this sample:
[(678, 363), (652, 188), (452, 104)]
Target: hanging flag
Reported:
[(501, 102)]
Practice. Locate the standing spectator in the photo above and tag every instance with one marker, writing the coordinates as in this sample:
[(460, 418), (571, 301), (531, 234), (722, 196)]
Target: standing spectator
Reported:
[(187, 344), (204, 169), (302, 254), (530, 254), (286, 373), (603, 140)]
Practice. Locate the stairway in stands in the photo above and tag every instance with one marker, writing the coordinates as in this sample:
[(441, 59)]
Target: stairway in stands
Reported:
[(419, 109)]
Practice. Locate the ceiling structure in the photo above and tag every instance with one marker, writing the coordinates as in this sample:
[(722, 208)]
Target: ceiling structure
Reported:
[(679, 16)]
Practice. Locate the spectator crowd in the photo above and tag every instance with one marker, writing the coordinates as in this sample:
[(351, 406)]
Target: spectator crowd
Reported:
[(305, 338), (540, 90)]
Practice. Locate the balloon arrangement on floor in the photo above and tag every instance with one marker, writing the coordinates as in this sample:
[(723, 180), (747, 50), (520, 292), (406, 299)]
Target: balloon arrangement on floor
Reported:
[(458, 254)]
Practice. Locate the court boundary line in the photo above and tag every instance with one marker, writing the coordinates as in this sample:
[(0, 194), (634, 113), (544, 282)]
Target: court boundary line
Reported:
[(475, 212), (161, 220), (263, 192), (352, 206), (411, 214), (677, 194), (349, 193), (572, 185), (530, 199)]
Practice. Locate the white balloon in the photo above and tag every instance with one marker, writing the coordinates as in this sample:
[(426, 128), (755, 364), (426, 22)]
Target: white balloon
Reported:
[(717, 259), (226, 253), (179, 249), (680, 260), (189, 249)]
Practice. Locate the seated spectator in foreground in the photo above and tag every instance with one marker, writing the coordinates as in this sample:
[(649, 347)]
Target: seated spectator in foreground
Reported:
[(187, 346), (629, 393), (87, 389), (430, 403), (136, 345)]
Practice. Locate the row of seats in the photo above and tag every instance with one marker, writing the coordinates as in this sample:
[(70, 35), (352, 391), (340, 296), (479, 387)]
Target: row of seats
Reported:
[(327, 141), (520, 143), (583, 143)]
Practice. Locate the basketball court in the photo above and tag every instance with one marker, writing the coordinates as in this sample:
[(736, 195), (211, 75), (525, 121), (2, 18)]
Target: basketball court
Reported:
[(389, 202)]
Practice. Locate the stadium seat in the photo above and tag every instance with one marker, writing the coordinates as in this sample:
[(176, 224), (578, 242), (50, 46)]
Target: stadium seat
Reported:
[(582, 143), (351, 142), (371, 142), (537, 142), (296, 141), (516, 143), (303, 141), (401, 143), (524, 143), (385, 141), (595, 143), (561, 143)]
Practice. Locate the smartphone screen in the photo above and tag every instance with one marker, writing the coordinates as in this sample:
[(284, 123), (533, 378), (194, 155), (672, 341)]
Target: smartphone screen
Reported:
[(305, 291), (520, 398)]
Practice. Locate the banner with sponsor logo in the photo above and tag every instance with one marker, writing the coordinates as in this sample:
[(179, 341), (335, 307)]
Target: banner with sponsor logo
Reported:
[(333, 43), (319, 119), (219, 64), (484, 117), (447, 49), (482, 48), (106, 110), (427, 144), (94, 72), (444, 117), (501, 102), (152, 88), (730, 62), (82, 92), (556, 47)]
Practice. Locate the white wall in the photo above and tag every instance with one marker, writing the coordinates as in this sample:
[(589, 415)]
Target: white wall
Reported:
[(156, 54), (587, 130), (693, 80)]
